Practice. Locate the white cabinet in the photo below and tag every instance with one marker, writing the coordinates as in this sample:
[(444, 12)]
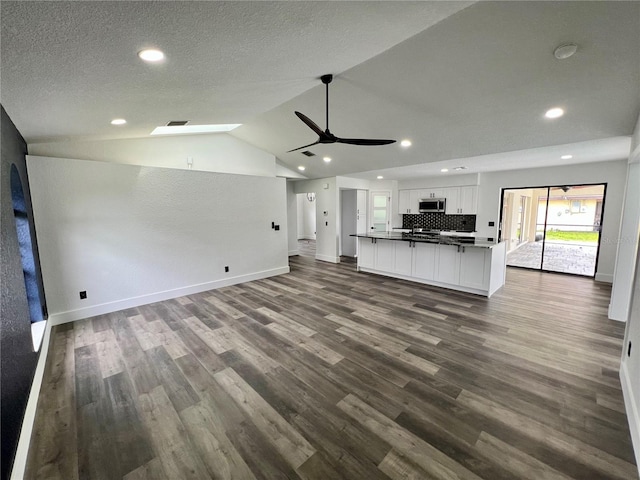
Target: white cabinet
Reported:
[(404, 201), (403, 262), (433, 193), (366, 252), (448, 264), (474, 268), (462, 200), (424, 260), (409, 201), (385, 253), (459, 267)]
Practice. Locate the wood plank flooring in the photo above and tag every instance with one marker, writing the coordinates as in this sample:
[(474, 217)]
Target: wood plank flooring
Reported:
[(325, 373)]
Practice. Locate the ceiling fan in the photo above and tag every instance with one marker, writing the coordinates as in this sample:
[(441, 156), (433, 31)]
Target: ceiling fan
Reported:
[(326, 136)]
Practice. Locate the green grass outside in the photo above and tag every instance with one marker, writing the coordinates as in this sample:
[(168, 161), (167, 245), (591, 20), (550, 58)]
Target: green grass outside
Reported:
[(573, 236)]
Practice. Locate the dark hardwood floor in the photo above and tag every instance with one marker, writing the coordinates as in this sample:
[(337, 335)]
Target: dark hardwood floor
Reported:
[(326, 373)]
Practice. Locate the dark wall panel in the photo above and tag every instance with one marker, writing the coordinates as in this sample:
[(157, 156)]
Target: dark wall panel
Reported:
[(18, 360)]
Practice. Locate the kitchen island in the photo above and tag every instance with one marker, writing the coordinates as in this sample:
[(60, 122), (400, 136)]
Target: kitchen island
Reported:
[(467, 264)]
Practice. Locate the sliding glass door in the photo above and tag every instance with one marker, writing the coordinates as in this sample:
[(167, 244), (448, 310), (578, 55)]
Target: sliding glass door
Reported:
[(555, 229)]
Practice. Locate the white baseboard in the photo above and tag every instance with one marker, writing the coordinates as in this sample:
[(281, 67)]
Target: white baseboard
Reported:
[(604, 277), (20, 461), (326, 258), (633, 415), (101, 309), (294, 252)]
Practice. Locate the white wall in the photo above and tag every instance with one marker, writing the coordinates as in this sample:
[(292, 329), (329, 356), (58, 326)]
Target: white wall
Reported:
[(292, 220), (349, 222), (129, 235), (613, 173), (630, 369), (218, 152)]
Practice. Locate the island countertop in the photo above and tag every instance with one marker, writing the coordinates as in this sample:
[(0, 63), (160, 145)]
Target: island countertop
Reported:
[(431, 238)]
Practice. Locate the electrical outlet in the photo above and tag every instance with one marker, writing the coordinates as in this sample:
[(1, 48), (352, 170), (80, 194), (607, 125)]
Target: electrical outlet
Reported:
[(226, 269), (83, 294), (277, 227), (492, 224)]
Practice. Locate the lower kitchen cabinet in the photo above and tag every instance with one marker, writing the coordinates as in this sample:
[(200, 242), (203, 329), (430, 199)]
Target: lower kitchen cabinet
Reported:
[(474, 267), (424, 260), (366, 253), (471, 269)]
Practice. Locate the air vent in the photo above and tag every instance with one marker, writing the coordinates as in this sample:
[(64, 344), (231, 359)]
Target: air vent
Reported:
[(309, 153), (177, 123)]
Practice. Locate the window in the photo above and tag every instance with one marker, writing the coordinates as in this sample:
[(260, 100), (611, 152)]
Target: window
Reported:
[(576, 206)]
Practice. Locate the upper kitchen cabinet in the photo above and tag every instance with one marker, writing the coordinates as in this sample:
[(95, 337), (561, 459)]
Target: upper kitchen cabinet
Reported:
[(462, 200), (409, 200), (433, 193)]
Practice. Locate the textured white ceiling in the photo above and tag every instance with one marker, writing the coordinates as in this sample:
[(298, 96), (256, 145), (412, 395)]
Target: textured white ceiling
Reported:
[(68, 68), (461, 81)]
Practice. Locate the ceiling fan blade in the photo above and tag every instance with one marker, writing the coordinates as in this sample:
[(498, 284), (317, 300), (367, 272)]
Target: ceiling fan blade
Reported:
[(310, 123), (305, 146), (364, 141)]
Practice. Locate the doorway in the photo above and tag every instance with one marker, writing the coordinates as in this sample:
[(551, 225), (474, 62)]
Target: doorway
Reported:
[(306, 224), (553, 228)]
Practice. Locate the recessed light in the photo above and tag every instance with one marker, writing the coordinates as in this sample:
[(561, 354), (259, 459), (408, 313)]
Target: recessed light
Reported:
[(443, 170), (191, 129), (405, 143), (326, 159), (379, 177), (301, 168), (566, 157), (554, 113), (118, 121), (151, 55), (565, 51)]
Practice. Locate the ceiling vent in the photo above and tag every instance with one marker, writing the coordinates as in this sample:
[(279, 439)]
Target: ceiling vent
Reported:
[(309, 153), (177, 123)]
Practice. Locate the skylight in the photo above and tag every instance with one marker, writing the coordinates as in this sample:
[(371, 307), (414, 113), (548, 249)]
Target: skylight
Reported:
[(191, 129)]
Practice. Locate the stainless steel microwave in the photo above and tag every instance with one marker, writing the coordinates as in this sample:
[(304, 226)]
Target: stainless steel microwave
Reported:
[(432, 205)]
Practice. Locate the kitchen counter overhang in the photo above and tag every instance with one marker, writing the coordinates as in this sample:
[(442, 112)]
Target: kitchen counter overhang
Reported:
[(431, 238), (467, 264)]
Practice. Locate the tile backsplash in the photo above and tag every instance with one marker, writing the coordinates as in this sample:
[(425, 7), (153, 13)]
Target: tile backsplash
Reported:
[(440, 221)]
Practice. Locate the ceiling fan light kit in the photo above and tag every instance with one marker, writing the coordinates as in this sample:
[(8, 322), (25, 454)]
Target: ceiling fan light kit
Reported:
[(326, 137)]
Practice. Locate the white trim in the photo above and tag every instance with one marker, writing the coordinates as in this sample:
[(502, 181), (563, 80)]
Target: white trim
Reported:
[(604, 277), (73, 315), (294, 252), (327, 258), (631, 406), (37, 333), (20, 460)]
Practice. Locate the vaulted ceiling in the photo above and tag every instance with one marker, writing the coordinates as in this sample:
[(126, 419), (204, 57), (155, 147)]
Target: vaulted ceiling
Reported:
[(460, 79)]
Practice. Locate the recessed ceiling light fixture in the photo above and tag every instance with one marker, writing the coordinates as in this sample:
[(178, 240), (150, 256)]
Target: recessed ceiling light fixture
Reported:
[(118, 121), (555, 112), (379, 177), (565, 51), (152, 55), (405, 143), (566, 157), (191, 129), (301, 168), (326, 159), (444, 170)]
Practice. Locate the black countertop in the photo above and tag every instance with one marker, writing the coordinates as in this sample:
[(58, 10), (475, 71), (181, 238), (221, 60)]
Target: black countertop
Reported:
[(431, 238)]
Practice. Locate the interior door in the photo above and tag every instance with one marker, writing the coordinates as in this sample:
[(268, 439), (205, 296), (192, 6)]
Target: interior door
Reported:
[(380, 209)]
